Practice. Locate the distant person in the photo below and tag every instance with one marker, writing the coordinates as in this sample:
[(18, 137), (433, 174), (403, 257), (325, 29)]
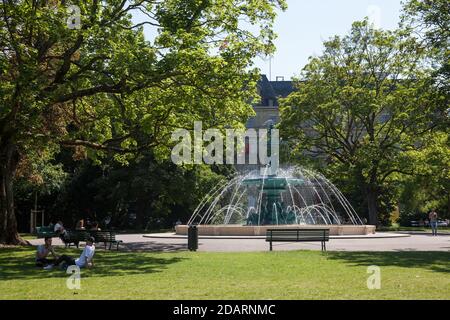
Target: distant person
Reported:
[(42, 252), (59, 229), (95, 226), (80, 225), (178, 222), (88, 224), (84, 261), (107, 221), (433, 222)]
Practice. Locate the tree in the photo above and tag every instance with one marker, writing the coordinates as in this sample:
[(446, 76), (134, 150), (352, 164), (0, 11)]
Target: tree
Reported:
[(99, 86), (359, 105), (157, 193), (429, 187), (430, 21)]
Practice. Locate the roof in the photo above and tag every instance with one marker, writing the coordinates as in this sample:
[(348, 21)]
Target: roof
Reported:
[(282, 88), (272, 90)]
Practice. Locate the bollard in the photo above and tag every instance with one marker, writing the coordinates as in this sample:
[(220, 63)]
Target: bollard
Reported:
[(192, 238)]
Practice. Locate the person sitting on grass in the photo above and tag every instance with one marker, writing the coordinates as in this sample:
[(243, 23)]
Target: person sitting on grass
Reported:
[(42, 252), (84, 261)]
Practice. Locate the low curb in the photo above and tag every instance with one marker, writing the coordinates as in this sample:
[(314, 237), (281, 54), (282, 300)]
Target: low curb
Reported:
[(348, 237)]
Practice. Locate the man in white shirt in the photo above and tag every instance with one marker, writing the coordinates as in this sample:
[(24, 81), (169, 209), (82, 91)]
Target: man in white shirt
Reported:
[(85, 259), (58, 227), (59, 230)]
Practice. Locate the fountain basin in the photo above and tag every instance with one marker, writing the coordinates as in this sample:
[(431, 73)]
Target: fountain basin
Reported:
[(240, 230)]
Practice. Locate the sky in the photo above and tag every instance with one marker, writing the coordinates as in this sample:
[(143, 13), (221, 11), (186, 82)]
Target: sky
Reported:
[(304, 26)]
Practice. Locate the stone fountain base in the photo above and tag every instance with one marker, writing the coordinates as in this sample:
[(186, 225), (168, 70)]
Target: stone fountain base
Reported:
[(239, 230)]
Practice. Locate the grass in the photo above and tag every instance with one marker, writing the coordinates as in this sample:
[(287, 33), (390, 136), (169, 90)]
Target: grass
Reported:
[(27, 236), (262, 275)]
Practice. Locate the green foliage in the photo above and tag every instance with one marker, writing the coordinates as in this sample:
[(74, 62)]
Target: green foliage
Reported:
[(157, 194), (430, 20), (107, 92), (360, 106), (39, 172), (429, 187), (104, 84)]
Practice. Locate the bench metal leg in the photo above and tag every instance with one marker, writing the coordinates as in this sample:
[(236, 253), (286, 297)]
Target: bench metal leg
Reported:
[(270, 245)]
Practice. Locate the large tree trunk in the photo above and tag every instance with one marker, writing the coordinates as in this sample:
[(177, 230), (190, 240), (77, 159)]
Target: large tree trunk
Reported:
[(372, 205), (141, 209), (448, 204), (9, 158)]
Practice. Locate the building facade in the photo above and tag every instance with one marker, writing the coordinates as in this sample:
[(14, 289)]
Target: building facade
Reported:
[(267, 110)]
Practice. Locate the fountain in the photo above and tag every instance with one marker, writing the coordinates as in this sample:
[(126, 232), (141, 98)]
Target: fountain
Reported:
[(294, 197), (271, 197)]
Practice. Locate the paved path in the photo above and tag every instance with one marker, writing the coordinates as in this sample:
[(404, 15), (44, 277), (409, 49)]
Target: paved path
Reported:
[(415, 242)]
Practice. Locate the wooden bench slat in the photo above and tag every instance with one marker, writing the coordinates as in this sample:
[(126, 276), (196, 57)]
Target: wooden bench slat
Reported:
[(76, 236), (297, 235)]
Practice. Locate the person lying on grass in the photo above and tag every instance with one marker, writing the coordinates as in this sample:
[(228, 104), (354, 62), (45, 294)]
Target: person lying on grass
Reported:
[(42, 252), (84, 261)]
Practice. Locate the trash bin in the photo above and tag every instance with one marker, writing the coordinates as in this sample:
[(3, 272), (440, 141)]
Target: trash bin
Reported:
[(192, 238)]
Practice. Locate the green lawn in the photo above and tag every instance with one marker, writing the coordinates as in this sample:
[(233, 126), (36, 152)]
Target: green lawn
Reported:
[(27, 236), (264, 275)]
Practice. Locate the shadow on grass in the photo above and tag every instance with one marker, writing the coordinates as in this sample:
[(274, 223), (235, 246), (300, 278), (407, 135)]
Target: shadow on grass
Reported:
[(433, 261), (151, 246), (19, 263)]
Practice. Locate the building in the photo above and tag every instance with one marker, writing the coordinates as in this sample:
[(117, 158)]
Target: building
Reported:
[(267, 110), (268, 107)]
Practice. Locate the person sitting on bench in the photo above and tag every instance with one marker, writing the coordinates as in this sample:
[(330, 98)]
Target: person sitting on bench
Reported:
[(43, 251), (60, 231), (85, 259)]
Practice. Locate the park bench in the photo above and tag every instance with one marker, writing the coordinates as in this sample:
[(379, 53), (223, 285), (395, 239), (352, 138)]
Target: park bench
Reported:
[(77, 236), (106, 237), (74, 237), (298, 235), (46, 231)]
